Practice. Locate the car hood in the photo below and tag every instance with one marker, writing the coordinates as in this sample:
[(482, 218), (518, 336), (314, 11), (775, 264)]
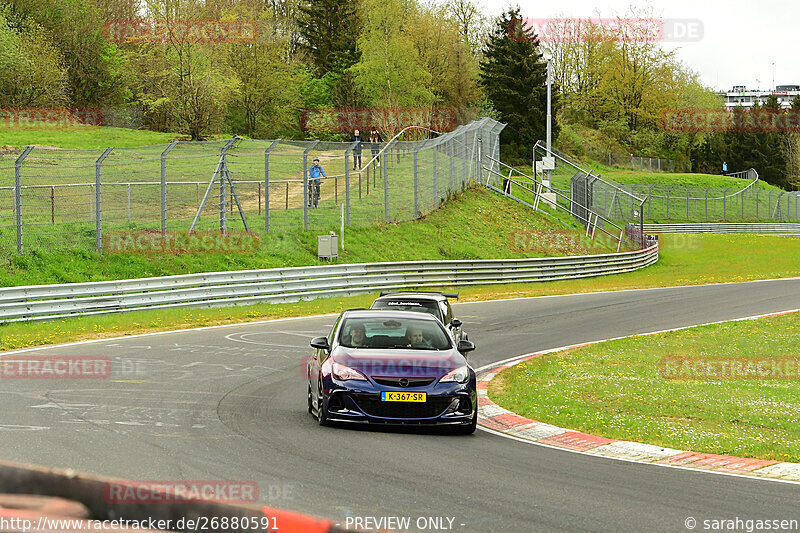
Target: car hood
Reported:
[(400, 363)]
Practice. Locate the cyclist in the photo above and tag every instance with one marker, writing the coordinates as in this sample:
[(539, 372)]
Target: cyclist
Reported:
[(315, 172)]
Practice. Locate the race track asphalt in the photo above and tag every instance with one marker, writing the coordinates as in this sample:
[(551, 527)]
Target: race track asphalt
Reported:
[(228, 403)]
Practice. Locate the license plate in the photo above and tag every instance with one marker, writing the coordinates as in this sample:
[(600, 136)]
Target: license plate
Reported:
[(403, 397)]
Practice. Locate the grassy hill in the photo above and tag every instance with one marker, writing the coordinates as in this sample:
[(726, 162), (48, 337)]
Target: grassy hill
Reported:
[(477, 224)]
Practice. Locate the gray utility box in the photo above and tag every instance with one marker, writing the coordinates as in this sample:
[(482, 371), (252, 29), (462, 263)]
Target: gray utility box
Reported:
[(328, 246)]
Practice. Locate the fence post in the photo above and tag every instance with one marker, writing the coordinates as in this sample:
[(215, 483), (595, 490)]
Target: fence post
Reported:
[(649, 200), (435, 195), (707, 190), (416, 186), (688, 191), (386, 185), (451, 153), (347, 179), (98, 203), (164, 186), (18, 195), (669, 190), (266, 183), (724, 205), (129, 203), (52, 204)]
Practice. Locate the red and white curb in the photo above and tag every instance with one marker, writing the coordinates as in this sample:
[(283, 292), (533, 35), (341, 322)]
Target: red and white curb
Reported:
[(496, 419)]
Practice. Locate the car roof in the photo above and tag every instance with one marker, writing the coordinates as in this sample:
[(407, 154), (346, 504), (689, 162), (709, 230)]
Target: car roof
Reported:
[(435, 296), (388, 313)]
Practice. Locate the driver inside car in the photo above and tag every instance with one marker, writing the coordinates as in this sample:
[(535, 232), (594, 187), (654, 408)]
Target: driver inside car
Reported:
[(358, 336), (416, 339)]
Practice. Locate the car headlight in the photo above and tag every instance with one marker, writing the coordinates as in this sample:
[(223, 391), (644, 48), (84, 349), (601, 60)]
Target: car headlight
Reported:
[(344, 373), (459, 375)]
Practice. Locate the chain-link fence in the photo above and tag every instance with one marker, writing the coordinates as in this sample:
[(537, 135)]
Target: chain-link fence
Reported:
[(583, 191), (69, 198), (587, 149)]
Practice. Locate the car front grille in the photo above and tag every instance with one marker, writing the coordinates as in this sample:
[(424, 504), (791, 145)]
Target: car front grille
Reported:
[(411, 382), (372, 405)]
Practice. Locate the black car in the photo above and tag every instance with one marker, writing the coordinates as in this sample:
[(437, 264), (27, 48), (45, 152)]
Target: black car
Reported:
[(392, 367), (434, 303)]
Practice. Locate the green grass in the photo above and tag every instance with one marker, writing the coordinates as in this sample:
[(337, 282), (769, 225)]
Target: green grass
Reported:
[(617, 389), (82, 137), (450, 232)]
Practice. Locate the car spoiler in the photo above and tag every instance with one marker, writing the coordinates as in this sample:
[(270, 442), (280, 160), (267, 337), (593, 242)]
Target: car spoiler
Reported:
[(453, 295)]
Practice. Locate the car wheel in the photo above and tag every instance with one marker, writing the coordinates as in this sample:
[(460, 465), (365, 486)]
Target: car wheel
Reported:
[(470, 428), (322, 414), (310, 401)]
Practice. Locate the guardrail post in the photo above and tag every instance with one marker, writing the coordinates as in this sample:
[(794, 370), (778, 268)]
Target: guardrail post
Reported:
[(98, 203), (164, 186), (18, 195), (707, 191), (266, 182)]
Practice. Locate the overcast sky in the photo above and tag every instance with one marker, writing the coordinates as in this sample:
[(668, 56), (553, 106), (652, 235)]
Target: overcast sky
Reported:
[(740, 41)]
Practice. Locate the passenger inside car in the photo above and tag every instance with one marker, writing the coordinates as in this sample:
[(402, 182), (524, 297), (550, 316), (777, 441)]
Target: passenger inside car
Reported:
[(358, 336)]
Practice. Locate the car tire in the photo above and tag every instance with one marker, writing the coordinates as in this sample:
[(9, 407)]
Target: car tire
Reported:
[(310, 401), (470, 428), (322, 413)]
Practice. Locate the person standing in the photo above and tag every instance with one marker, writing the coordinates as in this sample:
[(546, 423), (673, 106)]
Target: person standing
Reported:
[(356, 138), (375, 140), (724, 168), (315, 172)]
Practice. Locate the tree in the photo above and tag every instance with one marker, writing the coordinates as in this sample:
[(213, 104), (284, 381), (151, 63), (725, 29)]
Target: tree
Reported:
[(93, 65), (33, 75), (329, 29), (268, 94), (515, 78), (389, 72)]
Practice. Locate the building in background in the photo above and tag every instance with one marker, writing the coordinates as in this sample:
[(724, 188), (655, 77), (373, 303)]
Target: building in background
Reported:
[(741, 96)]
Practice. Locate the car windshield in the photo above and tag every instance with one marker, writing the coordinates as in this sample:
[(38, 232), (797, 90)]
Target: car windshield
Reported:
[(387, 333), (400, 304)]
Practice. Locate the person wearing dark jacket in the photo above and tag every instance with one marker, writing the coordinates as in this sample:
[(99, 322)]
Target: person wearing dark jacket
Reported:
[(375, 139), (357, 150)]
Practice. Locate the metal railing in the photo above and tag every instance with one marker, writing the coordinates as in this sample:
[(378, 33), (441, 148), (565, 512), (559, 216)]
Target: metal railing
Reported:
[(723, 227), (46, 302)]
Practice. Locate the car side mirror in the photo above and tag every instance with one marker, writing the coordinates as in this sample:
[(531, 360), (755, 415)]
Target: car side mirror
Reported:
[(455, 323), (465, 346), (320, 343)]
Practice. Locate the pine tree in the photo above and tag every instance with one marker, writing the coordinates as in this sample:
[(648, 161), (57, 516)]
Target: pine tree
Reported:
[(515, 78), (329, 30)]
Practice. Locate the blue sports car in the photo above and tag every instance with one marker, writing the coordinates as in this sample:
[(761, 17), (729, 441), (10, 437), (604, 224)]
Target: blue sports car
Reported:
[(380, 366)]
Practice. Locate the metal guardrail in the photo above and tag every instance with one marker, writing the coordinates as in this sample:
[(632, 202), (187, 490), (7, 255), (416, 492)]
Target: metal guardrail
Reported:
[(46, 302), (723, 227)]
